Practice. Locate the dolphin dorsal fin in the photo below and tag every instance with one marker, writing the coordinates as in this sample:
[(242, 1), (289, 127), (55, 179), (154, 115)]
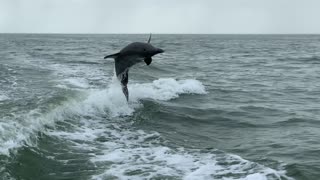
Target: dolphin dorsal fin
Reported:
[(149, 38)]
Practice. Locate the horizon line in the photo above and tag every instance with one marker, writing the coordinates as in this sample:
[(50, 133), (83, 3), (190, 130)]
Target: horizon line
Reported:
[(52, 33)]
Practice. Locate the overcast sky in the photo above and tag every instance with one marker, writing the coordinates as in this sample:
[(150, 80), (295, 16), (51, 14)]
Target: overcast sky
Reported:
[(160, 16)]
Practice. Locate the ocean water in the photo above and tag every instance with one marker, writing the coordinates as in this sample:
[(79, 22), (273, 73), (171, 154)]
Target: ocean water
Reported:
[(211, 107)]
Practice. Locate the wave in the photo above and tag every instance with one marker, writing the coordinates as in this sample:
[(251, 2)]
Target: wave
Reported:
[(303, 59), (77, 82), (306, 121), (99, 123), (165, 163), (119, 151), (23, 128), (83, 62)]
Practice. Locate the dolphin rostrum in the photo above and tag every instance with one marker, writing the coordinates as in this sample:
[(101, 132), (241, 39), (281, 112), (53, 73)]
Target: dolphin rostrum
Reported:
[(130, 55)]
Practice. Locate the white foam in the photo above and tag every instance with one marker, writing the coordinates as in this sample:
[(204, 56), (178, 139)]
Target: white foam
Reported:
[(160, 161), (110, 101), (78, 82), (15, 133), (133, 154), (78, 76), (113, 101), (127, 153), (166, 89)]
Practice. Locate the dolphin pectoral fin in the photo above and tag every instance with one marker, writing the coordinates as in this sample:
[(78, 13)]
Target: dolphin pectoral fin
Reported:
[(112, 56), (148, 60)]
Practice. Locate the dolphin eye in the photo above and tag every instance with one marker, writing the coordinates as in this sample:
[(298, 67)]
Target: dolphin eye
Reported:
[(144, 49)]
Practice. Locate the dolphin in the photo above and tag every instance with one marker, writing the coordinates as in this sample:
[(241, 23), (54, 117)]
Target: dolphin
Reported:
[(130, 55)]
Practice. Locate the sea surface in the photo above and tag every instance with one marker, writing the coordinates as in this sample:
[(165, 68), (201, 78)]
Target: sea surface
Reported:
[(217, 107)]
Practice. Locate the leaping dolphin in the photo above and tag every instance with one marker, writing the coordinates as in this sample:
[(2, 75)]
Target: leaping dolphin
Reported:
[(130, 55)]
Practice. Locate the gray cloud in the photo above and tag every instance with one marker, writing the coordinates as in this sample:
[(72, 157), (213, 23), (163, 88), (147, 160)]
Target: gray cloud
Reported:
[(164, 16)]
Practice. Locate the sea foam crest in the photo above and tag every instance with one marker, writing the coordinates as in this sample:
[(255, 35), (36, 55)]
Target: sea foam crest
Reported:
[(110, 101), (113, 99)]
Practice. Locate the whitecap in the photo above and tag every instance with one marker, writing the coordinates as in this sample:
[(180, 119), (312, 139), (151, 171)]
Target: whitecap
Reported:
[(92, 102)]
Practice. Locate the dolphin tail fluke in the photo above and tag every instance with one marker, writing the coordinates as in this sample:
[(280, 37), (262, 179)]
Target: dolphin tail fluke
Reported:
[(124, 79), (112, 56), (125, 92)]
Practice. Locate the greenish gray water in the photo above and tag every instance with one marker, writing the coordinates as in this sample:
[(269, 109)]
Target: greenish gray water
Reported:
[(211, 107)]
